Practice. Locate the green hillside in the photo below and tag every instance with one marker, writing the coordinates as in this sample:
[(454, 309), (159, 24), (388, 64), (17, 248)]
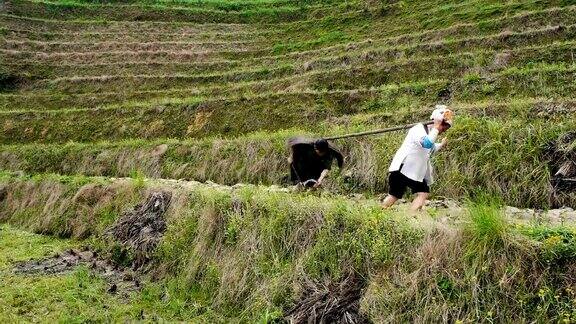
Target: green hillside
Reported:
[(83, 80), (94, 93)]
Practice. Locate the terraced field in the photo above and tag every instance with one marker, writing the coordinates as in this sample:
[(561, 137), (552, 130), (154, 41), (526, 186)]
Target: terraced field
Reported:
[(88, 87), (210, 90)]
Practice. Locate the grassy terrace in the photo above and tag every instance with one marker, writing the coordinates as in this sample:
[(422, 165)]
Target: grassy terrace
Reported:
[(260, 158), (108, 83), (104, 102), (520, 21), (232, 116), (349, 55), (74, 91), (457, 258), (155, 12)]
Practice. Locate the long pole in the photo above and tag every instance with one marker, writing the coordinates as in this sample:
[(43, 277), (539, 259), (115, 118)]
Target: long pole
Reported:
[(377, 131)]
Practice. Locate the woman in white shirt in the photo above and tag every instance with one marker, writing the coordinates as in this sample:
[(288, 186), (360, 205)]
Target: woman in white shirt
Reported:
[(411, 167)]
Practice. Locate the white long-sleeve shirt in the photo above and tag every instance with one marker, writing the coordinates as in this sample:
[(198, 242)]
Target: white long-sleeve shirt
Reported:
[(414, 157)]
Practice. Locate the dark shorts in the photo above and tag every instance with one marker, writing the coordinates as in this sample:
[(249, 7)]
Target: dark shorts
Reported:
[(399, 183)]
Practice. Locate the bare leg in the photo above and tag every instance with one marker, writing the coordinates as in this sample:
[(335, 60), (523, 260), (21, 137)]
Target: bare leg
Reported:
[(419, 201), (389, 201)]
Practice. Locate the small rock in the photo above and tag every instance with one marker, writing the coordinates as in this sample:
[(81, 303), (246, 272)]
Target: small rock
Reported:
[(436, 204), (511, 210), (127, 276), (160, 150), (520, 213), (86, 255)]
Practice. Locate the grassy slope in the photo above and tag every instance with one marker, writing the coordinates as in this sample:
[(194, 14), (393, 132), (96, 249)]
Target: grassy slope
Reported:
[(259, 158), (123, 88), (79, 296), (474, 267), (77, 10), (197, 117)]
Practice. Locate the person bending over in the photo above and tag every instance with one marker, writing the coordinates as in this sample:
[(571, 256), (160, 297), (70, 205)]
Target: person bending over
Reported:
[(411, 167), (310, 161)]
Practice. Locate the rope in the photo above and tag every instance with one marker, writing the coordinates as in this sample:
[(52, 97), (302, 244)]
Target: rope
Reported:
[(377, 131)]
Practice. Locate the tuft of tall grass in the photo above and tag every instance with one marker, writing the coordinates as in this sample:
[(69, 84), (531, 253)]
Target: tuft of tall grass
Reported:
[(487, 225)]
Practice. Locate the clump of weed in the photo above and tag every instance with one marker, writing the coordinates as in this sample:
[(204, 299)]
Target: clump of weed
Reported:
[(139, 179), (486, 227), (558, 244)]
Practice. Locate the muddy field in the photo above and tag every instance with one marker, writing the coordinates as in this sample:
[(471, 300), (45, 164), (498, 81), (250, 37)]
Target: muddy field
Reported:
[(121, 280), (137, 231)]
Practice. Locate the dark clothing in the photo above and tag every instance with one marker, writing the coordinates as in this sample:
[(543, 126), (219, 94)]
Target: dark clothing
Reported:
[(307, 164), (398, 184)]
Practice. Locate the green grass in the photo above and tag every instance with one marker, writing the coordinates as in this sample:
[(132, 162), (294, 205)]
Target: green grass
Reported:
[(487, 227), (211, 266), (465, 167), (101, 85), (20, 246), (79, 296), (558, 244)]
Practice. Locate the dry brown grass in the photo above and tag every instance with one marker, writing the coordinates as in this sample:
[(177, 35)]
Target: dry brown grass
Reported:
[(108, 46), (51, 207)]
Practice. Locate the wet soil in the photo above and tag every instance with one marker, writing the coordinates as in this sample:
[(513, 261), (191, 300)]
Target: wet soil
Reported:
[(121, 280), (138, 231)]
